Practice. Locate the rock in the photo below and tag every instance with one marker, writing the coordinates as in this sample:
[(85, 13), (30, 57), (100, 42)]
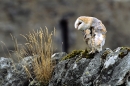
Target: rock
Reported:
[(14, 74), (107, 68), (18, 74), (58, 56), (117, 71), (34, 83)]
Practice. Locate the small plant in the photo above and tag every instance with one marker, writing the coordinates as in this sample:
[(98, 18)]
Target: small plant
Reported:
[(39, 45)]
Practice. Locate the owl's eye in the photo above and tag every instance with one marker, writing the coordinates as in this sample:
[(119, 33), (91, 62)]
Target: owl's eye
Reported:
[(79, 23)]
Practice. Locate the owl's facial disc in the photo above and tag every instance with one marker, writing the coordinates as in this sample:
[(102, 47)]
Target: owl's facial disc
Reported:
[(81, 25), (78, 24)]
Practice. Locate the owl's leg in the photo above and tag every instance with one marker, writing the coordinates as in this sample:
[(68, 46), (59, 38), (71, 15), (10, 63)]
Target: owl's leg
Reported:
[(92, 45), (99, 48)]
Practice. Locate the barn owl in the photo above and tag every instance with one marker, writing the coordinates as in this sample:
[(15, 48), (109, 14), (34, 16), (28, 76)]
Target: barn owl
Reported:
[(94, 32)]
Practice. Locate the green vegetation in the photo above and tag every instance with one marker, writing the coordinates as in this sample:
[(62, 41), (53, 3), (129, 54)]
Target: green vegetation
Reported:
[(80, 53), (73, 54), (124, 51), (105, 54)]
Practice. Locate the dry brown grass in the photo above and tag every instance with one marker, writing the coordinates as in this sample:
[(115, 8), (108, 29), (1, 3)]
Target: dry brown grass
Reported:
[(38, 43)]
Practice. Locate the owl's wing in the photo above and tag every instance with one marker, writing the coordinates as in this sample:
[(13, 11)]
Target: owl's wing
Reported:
[(98, 26), (103, 29)]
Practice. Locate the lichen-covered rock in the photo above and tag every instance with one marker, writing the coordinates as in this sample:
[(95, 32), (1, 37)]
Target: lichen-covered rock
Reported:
[(116, 70), (14, 74), (107, 68), (34, 83)]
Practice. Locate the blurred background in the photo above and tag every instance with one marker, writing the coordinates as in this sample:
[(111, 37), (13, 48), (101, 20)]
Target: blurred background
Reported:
[(21, 16)]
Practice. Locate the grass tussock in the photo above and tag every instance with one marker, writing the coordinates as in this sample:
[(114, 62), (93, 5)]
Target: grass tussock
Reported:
[(38, 44)]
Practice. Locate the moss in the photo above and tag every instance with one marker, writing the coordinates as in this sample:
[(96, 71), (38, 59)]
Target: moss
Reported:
[(81, 53), (124, 51), (85, 54), (73, 54), (105, 54), (125, 48)]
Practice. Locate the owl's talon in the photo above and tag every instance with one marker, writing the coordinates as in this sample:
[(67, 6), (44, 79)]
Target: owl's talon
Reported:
[(91, 52)]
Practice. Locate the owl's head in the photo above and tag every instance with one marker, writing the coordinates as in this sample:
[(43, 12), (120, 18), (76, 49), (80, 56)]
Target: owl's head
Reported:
[(83, 23)]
